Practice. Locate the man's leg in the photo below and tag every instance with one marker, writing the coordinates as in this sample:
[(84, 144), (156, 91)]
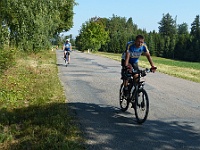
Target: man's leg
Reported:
[(125, 82), (64, 55), (126, 90), (135, 76)]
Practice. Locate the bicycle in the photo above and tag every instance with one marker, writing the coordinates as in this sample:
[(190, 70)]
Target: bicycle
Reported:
[(66, 58), (138, 96)]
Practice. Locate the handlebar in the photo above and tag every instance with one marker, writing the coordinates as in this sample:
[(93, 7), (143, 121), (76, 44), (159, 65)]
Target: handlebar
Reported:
[(144, 71)]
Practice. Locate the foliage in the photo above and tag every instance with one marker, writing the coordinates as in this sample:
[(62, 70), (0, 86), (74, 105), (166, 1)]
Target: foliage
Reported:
[(92, 35), (172, 41), (167, 25), (195, 33), (6, 59), (183, 28), (118, 37), (195, 30), (31, 24)]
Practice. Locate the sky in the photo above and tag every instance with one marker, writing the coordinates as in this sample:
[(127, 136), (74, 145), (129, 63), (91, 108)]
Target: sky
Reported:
[(145, 13)]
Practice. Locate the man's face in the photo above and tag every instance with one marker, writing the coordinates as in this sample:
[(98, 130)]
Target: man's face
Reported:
[(139, 42)]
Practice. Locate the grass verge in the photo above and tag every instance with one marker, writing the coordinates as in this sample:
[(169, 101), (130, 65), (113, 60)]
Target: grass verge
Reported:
[(181, 69), (34, 113)]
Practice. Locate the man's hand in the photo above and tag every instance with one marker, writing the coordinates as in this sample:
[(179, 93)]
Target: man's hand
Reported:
[(129, 68), (153, 69)]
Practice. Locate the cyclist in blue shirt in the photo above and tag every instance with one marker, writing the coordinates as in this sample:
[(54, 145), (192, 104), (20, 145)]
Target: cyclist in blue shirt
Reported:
[(67, 49), (134, 49)]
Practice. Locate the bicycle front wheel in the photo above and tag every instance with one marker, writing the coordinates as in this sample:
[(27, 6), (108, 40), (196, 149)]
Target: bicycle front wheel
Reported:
[(123, 102), (141, 106)]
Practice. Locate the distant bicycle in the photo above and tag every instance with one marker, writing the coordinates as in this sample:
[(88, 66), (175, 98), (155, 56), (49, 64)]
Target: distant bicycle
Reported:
[(66, 58), (138, 96)]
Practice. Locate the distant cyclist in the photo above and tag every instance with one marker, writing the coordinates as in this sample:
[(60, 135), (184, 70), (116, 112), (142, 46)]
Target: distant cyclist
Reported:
[(67, 49), (134, 49)]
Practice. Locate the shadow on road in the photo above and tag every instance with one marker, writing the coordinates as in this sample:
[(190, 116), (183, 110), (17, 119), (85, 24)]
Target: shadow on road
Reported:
[(119, 130), (63, 65)]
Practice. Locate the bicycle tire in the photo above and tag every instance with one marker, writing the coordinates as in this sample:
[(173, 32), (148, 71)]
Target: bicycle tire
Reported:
[(66, 59), (141, 106), (123, 102)]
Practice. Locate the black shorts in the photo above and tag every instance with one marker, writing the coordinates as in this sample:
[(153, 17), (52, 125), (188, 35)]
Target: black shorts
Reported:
[(124, 74), (135, 66)]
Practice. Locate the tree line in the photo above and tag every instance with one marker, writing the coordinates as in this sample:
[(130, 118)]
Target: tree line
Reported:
[(31, 24), (172, 40)]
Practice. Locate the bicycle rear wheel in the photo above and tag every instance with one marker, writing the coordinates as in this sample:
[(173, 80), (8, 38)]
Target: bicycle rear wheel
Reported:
[(141, 106), (123, 102), (66, 59)]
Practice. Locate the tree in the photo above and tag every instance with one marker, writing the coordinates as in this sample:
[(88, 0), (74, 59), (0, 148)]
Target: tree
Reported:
[(181, 45), (92, 35), (120, 32), (116, 27), (167, 25), (65, 14), (33, 23), (182, 28), (131, 29), (195, 29), (167, 30), (151, 44), (195, 33)]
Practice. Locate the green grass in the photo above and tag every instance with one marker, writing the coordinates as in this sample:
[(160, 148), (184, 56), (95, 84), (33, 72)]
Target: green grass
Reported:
[(175, 63), (33, 108), (186, 70), (6, 59)]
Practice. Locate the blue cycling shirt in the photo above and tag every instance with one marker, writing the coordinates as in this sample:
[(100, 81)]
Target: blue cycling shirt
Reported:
[(67, 46), (135, 52)]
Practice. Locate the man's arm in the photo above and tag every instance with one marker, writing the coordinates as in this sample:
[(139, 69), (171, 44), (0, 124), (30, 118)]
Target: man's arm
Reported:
[(147, 54), (70, 47), (63, 47), (127, 58)]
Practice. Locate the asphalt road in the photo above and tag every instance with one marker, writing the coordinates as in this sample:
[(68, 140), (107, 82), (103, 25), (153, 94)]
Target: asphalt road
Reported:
[(92, 87)]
